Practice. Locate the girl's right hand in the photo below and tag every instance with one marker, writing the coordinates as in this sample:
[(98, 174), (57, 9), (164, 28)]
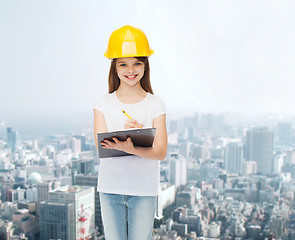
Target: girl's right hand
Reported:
[(132, 123)]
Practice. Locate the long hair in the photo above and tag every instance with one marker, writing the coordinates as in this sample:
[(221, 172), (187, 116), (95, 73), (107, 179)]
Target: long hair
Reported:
[(114, 80)]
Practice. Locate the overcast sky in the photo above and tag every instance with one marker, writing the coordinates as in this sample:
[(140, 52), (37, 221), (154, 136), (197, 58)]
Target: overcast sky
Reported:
[(210, 56)]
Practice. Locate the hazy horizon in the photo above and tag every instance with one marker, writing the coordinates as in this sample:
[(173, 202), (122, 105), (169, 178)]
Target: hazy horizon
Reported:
[(37, 128)]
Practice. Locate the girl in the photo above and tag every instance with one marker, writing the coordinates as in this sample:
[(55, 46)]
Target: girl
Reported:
[(128, 185)]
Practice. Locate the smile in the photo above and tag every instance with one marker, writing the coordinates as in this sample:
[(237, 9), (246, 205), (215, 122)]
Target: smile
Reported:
[(131, 76)]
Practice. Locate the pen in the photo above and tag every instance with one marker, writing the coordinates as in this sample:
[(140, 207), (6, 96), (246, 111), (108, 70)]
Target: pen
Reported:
[(129, 116)]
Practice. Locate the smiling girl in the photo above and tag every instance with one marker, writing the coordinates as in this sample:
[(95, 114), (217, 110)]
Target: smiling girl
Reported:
[(128, 185)]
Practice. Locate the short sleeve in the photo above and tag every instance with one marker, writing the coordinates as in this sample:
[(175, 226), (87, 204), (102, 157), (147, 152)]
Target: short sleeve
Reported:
[(159, 107), (98, 103)]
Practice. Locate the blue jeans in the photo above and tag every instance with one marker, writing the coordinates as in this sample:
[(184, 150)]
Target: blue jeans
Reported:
[(127, 216)]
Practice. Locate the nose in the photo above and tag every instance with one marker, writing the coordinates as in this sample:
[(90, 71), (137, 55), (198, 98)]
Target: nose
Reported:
[(130, 69)]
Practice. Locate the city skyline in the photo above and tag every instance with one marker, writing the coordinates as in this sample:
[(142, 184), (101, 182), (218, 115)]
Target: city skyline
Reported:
[(40, 129), (209, 57), (217, 181)]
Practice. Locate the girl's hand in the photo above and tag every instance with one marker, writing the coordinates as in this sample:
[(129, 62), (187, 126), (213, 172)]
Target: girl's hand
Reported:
[(132, 123), (125, 146)]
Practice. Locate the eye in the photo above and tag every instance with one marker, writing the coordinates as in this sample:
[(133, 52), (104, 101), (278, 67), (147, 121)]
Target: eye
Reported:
[(122, 65), (138, 63)]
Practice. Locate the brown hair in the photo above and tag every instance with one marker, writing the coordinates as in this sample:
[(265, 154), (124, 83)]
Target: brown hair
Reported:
[(114, 80)]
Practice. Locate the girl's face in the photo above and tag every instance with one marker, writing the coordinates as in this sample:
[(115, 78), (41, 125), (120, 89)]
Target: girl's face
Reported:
[(130, 70)]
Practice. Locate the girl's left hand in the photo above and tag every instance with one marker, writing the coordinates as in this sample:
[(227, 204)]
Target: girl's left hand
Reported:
[(126, 146)]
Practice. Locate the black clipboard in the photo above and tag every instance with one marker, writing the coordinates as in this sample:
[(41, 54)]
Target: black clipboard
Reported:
[(140, 138)]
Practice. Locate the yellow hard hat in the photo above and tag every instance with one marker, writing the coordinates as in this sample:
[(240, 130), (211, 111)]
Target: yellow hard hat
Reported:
[(128, 41)]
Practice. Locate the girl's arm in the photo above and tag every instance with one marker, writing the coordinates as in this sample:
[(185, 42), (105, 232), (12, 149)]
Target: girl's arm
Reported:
[(157, 151), (99, 124)]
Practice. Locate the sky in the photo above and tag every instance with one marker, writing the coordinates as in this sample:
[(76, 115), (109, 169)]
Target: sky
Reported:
[(210, 56)]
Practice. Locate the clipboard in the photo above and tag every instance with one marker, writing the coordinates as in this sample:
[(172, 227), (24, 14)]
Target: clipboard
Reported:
[(140, 138)]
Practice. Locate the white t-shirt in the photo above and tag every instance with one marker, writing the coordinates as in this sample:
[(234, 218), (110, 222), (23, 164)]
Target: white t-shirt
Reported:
[(130, 175)]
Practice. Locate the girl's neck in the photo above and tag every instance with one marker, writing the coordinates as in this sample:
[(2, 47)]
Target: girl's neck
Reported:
[(124, 90), (130, 95)]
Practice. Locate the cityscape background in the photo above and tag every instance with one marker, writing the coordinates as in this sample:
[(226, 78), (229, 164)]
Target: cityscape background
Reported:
[(218, 181)]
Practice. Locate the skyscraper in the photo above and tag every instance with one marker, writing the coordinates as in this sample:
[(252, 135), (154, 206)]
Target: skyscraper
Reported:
[(91, 181), (233, 157), (11, 139), (277, 226), (83, 142), (259, 148), (43, 189), (178, 170), (290, 157), (75, 145), (173, 126), (284, 132)]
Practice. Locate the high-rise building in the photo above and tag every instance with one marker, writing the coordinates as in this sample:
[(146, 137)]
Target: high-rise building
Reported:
[(259, 148), (190, 132), (57, 220), (290, 157), (277, 226), (21, 175), (82, 166), (220, 122), (6, 229), (43, 189), (11, 138), (185, 198), (184, 148), (91, 181), (284, 131), (83, 142), (199, 152), (75, 145), (82, 198), (20, 193), (278, 163), (233, 157), (173, 126), (63, 144), (177, 170), (207, 122), (32, 194)]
